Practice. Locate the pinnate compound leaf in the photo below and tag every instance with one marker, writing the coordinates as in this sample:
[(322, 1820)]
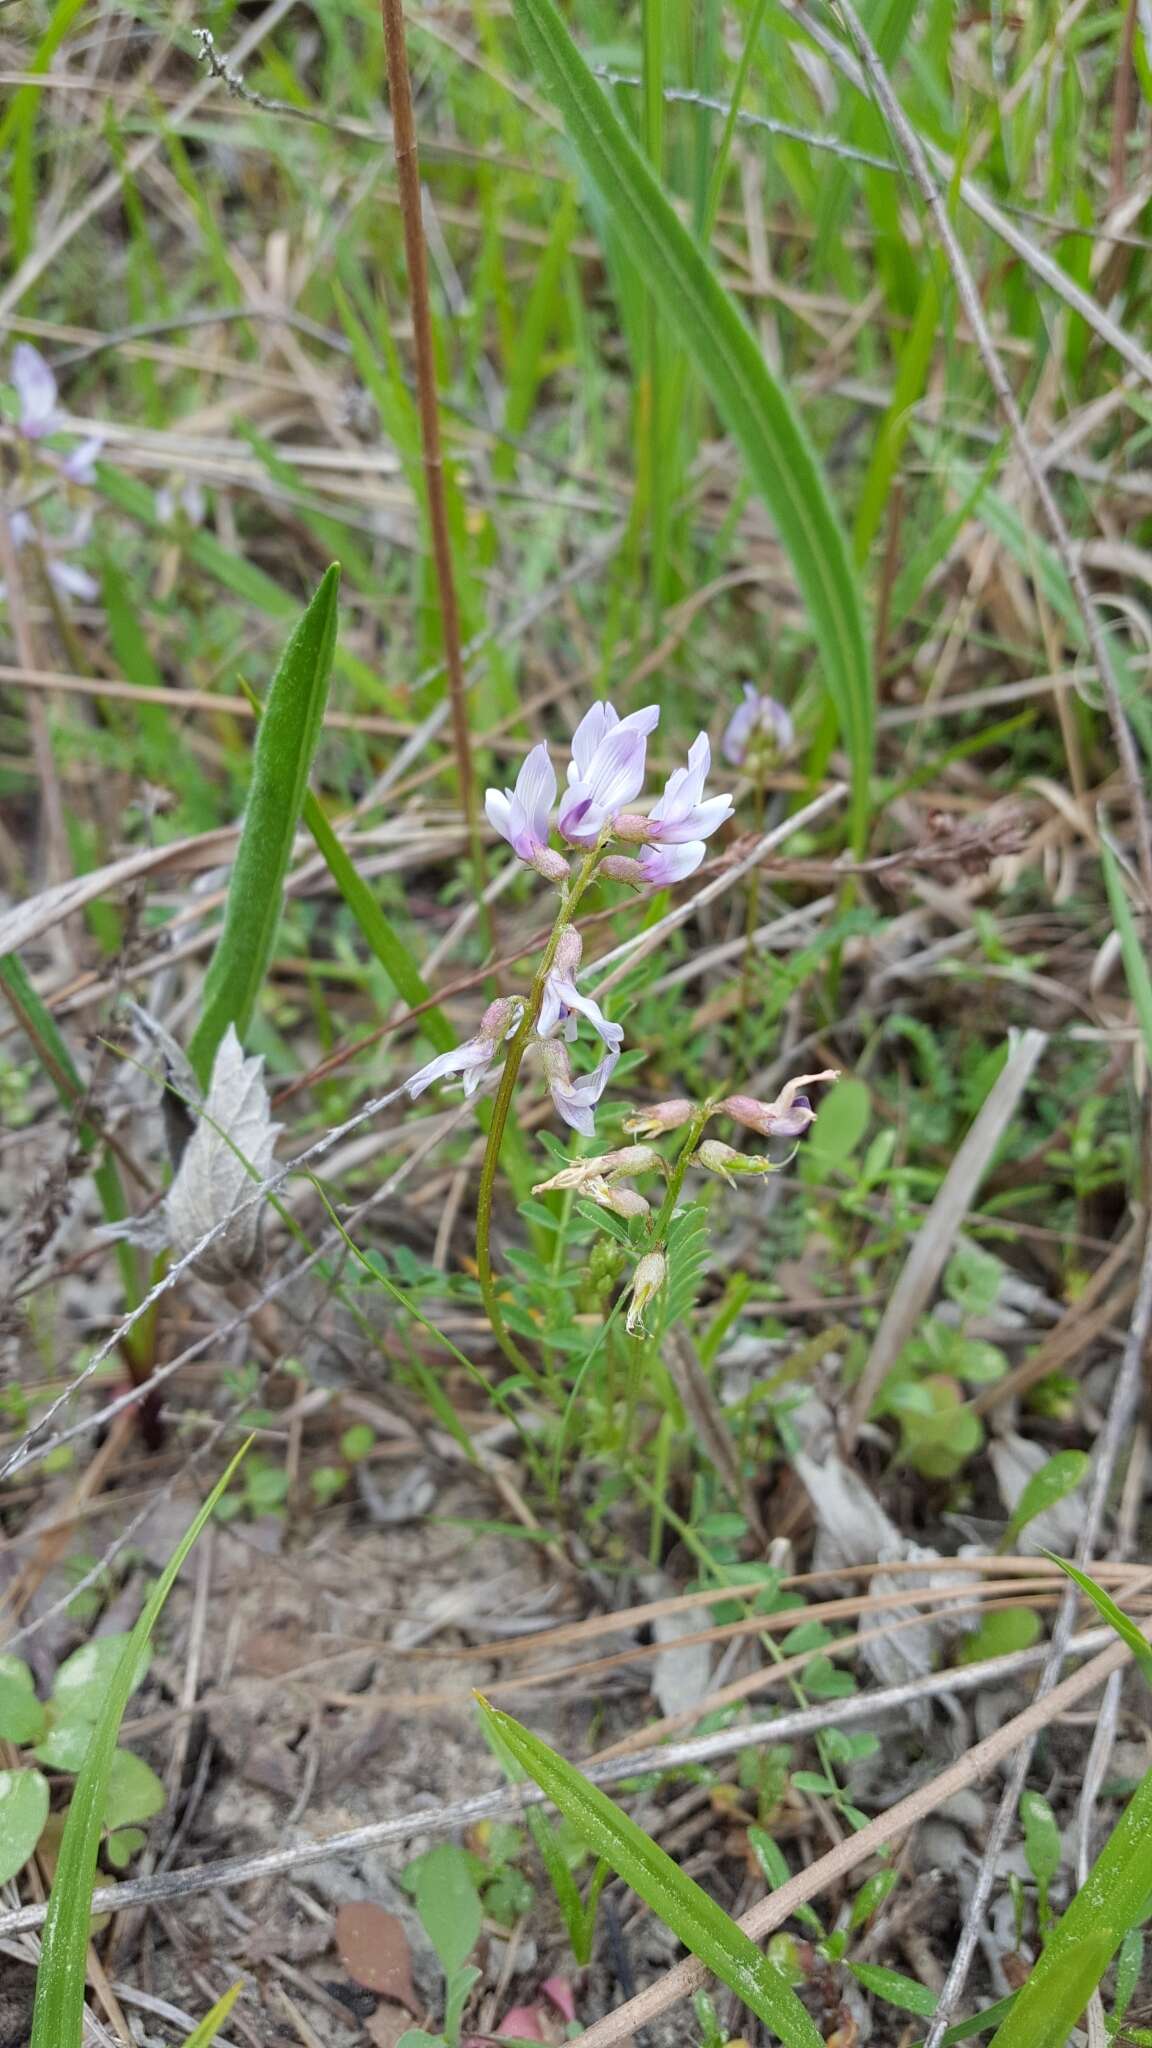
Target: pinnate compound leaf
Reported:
[(701, 1924)]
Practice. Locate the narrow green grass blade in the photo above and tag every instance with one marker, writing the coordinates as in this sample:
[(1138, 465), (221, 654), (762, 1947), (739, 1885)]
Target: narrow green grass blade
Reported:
[(43, 1032), (702, 1925), (1086, 1937), (1135, 959), (285, 743), (912, 366), (1115, 1616), (212, 2021), (388, 947), (59, 2016), (756, 409)]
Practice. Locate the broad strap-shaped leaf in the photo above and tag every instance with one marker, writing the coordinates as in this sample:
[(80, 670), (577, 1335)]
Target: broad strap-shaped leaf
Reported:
[(754, 407), (59, 2017), (702, 1925), (285, 743)]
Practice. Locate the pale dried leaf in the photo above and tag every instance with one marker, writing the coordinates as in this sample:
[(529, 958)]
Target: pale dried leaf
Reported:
[(853, 1527), (681, 1673), (230, 1150)]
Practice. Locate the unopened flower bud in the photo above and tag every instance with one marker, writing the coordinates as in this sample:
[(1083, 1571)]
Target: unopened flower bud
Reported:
[(647, 1281), (622, 1201), (788, 1116), (619, 868), (551, 865), (499, 1019), (663, 1116), (715, 1157), (569, 948)]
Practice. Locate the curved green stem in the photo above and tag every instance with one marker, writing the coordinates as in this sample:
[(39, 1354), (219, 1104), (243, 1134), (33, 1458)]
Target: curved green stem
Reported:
[(683, 1160), (502, 1103)]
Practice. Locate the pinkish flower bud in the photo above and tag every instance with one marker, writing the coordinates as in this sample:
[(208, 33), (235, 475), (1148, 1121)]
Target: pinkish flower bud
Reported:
[(569, 948), (663, 1116), (499, 1018), (619, 868), (647, 1281), (631, 825), (622, 1201), (551, 865)]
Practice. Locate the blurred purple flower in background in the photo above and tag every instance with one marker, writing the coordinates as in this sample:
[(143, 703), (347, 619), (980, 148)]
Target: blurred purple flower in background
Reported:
[(757, 718)]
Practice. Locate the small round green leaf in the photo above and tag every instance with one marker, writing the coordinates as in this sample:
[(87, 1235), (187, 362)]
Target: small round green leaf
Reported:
[(23, 1812), (21, 1715), (135, 1793), (84, 1677)]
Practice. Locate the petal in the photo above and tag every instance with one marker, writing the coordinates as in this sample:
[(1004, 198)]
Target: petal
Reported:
[(459, 1059), (536, 793), (617, 773), (579, 821), (577, 1115), (664, 865), (709, 816), (595, 725), (74, 581), (80, 466), (611, 1034), (498, 811), (35, 388), (550, 1009)]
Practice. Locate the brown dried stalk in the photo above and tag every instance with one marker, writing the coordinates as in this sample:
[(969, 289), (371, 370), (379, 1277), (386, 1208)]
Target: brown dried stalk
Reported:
[(416, 254)]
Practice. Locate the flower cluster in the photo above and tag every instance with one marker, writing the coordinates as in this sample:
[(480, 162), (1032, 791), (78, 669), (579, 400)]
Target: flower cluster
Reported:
[(606, 775)]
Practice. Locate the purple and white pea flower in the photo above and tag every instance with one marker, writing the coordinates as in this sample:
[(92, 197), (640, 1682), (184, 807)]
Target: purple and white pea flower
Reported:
[(473, 1058), (563, 1001), (575, 1097), (682, 814), (187, 499), (606, 771), (789, 1115), (68, 578), (523, 815), (758, 718), (79, 466), (35, 388), (658, 866)]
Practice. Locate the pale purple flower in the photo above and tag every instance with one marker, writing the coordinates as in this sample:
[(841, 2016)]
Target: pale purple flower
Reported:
[(606, 771), (660, 866), (576, 1097), (563, 1000), (683, 813), (475, 1056), (80, 465), (757, 717), (66, 577), (35, 387), (189, 500), (789, 1115), (523, 816)]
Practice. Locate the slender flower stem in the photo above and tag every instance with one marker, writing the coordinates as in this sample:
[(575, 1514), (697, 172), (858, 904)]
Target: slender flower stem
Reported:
[(692, 1134), (501, 1105), (411, 207)]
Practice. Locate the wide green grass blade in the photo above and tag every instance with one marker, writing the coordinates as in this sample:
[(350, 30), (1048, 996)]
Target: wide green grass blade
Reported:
[(59, 2016), (386, 943), (754, 407), (285, 743), (702, 1925), (1081, 1945)]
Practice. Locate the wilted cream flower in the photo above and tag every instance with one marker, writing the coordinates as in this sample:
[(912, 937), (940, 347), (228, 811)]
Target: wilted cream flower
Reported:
[(647, 1281)]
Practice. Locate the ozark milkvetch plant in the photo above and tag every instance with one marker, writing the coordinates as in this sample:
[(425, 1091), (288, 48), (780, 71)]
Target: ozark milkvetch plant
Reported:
[(605, 777)]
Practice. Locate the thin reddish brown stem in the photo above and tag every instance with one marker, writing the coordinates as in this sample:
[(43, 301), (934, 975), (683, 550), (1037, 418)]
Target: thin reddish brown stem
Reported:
[(416, 254)]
